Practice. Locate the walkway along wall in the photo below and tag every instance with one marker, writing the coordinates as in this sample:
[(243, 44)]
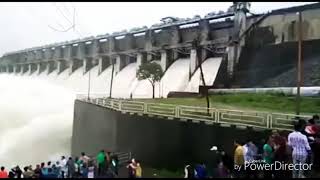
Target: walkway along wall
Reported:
[(156, 141)]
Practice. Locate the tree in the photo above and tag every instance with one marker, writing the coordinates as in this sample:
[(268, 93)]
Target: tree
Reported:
[(150, 71)]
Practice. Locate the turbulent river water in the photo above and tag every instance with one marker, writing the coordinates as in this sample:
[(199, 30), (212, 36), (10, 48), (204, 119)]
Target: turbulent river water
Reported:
[(36, 110), (36, 120)]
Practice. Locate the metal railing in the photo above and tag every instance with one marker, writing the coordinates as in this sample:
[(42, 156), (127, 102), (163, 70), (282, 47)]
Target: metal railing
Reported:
[(160, 109), (248, 118), (132, 106), (123, 157), (256, 119), (197, 113), (284, 121)]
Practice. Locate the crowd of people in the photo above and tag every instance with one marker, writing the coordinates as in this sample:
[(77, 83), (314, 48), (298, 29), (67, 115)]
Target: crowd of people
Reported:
[(302, 146), (104, 165)]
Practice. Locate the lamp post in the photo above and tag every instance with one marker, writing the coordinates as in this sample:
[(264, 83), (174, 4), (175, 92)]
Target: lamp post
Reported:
[(299, 69), (111, 77), (89, 82)]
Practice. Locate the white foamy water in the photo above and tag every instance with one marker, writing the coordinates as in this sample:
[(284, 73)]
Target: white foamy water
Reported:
[(210, 69), (36, 110), (123, 81), (36, 120), (176, 77)]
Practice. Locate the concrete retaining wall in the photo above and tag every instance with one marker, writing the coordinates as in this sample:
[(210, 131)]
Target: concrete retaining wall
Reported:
[(156, 141)]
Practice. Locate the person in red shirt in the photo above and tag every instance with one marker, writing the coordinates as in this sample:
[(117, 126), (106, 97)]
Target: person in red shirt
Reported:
[(280, 152), (312, 131), (3, 173)]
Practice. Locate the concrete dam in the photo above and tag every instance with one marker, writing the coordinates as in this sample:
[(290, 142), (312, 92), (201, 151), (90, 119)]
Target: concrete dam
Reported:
[(237, 50)]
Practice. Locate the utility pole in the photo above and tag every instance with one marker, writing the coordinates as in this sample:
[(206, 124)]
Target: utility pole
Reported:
[(111, 77), (89, 79), (199, 60), (299, 69)]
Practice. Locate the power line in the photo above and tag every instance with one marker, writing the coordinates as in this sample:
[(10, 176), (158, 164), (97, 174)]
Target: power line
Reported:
[(60, 30), (63, 14), (64, 29), (73, 23), (74, 18), (67, 10), (69, 13)]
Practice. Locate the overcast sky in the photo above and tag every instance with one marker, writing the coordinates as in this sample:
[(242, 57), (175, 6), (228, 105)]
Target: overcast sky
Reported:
[(25, 25)]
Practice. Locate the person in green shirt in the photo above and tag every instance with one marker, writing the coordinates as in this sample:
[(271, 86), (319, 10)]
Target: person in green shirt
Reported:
[(101, 162), (268, 156), (268, 152)]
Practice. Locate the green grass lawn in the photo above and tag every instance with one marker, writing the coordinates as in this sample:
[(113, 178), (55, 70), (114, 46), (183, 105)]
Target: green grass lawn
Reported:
[(255, 102)]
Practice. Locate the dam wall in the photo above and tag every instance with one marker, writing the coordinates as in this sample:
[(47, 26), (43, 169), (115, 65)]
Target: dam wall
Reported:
[(156, 141), (257, 50)]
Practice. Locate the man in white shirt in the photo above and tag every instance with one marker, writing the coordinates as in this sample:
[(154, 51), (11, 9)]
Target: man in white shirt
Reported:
[(64, 168), (250, 152), (301, 149)]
